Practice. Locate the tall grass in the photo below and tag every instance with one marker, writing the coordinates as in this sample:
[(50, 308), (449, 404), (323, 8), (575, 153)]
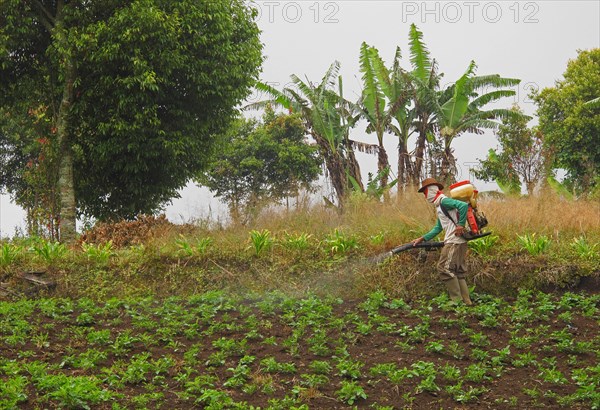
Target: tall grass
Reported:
[(305, 249), (548, 214)]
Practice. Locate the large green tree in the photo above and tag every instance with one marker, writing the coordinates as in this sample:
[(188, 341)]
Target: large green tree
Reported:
[(520, 157), (129, 94), (570, 121), (261, 163)]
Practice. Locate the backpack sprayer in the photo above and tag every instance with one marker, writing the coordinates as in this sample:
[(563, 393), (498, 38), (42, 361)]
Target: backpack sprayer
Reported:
[(476, 221), (463, 191)]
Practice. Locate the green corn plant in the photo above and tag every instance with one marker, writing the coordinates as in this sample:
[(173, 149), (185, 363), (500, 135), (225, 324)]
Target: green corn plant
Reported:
[(99, 253), (49, 252), (203, 244), (260, 241), (584, 249), (9, 253), (338, 243), (298, 242), (377, 239), (532, 244), (185, 248), (483, 246)]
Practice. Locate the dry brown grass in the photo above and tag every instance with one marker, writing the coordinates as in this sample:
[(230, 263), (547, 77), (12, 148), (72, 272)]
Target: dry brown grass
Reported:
[(408, 216), (548, 215)]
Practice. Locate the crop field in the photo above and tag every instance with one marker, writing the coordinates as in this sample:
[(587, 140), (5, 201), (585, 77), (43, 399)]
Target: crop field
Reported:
[(218, 351)]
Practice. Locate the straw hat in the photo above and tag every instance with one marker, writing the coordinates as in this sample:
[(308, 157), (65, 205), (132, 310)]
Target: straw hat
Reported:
[(430, 181)]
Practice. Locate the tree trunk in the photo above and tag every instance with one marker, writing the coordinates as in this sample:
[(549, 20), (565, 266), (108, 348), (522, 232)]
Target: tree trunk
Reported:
[(68, 215), (419, 157), (448, 165), (335, 168), (354, 168), (383, 163), (404, 166), (530, 187), (66, 186), (338, 177)]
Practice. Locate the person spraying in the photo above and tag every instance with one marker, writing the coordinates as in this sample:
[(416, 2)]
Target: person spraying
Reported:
[(451, 218)]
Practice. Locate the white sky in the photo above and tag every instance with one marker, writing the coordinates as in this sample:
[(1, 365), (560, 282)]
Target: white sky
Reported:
[(530, 40)]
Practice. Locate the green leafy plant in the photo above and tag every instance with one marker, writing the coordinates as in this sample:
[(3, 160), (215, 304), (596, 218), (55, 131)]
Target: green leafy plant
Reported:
[(9, 253), (260, 241), (99, 253), (270, 365), (584, 249), (349, 368), (534, 245), (203, 244), (483, 246), (476, 372), (350, 392), (435, 347), (320, 367), (298, 242), (339, 243), (13, 390), (184, 246), (240, 373), (377, 239), (73, 392), (49, 252)]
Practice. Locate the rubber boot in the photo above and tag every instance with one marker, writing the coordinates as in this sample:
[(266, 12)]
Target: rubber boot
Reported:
[(454, 289), (464, 291)]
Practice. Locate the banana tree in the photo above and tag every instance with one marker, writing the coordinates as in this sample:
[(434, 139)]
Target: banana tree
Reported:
[(425, 81), (459, 110), (328, 118), (373, 103), (385, 98), (399, 93)]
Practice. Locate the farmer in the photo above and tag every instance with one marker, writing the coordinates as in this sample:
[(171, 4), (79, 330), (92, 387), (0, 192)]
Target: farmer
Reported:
[(451, 218)]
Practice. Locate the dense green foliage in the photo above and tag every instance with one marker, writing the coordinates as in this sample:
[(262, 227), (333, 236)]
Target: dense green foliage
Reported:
[(571, 125), (133, 91), (262, 162)]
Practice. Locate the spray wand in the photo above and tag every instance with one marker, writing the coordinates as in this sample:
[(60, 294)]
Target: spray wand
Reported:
[(427, 245), (407, 246)]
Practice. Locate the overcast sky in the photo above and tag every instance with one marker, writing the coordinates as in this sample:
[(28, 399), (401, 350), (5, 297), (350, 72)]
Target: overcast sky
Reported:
[(529, 40)]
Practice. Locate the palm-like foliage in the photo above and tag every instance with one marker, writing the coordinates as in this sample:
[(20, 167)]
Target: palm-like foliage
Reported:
[(454, 110), (459, 109), (374, 103), (425, 79), (385, 99), (400, 91), (328, 118), (400, 102)]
